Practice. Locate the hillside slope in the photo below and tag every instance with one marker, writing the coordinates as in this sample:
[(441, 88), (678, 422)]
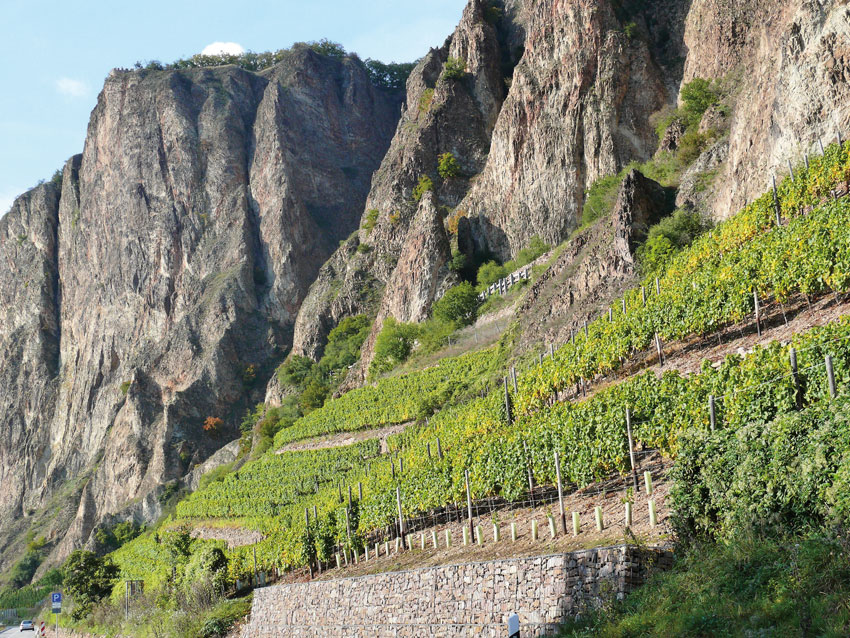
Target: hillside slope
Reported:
[(164, 279)]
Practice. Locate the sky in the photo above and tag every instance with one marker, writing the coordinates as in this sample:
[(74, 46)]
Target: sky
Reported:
[(56, 55)]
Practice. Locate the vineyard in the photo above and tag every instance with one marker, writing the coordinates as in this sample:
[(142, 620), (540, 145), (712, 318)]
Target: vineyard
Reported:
[(395, 399), (706, 287), (712, 283)]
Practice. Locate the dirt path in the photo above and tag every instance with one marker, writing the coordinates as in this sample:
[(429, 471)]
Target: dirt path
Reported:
[(346, 438), (687, 356)]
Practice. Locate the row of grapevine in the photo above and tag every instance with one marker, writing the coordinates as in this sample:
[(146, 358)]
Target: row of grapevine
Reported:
[(589, 437), (711, 284), (394, 399)]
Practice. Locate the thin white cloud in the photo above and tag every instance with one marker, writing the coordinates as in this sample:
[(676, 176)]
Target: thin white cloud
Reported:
[(6, 199), (72, 88), (227, 48)]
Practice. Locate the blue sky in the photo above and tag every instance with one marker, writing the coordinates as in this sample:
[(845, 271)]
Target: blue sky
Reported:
[(57, 54)]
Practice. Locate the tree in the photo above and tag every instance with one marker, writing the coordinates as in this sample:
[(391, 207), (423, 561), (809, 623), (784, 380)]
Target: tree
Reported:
[(212, 424), (88, 580), (697, 95), (295, 370), (458, 305), (490, 272), (448, 166), (454, 69), (207, 569), (314, 395)]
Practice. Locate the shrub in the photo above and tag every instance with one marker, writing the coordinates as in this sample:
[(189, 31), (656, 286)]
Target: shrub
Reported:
[(667, 237), (425, 100), (697, 95), (453, 221), (536, 247), (425, 184), (125, 387), (391, 76), (459, 262), (363, 248), (448, 166), (314, 395), (395, 218), (295, 370), (600, 198), (493, 14), (490, 272), (393, 345), (454, 69), (458, 305), (212, 424), (344, 343), (371, 219), (329, 48), (691, 146)]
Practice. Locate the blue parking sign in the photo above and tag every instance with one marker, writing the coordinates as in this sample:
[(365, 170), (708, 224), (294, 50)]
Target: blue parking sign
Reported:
[(57, 598)]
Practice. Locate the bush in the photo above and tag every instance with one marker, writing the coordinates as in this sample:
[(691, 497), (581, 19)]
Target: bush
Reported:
[(458, 305), (692, 145), (489, 273), (391, 76), (371, 219), (600, 198), (314, 395), (448, 166), (344, 343), (425, 184), (425, 100), (393, 345), (667, 237), (454, 69), (536, 247), (363, 248), (697, 96), (459, 262), (295, 370)]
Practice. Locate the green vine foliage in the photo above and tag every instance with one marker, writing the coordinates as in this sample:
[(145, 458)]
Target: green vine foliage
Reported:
[(710, 285), (706, 286)]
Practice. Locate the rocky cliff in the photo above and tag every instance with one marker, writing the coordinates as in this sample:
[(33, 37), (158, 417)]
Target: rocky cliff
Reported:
[(149, 297), (581, 82)]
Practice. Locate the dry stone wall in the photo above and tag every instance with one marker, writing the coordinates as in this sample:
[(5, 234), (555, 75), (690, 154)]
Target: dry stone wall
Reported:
[(473, 599)]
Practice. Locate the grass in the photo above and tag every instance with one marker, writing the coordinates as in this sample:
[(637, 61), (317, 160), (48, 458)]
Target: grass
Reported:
[(751, 586)]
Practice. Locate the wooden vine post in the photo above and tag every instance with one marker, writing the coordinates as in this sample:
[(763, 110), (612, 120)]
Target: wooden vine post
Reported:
[(712, 415), (400, 516), (830, 375), (795, 375), (508, 403), (758, 312), (776, 206), (468, 501), (560, 494), (631, 447)]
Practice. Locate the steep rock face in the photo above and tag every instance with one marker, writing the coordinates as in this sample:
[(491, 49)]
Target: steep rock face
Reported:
[(440, 116), (415, 282), (594, 267), (790, 63), (167, 278), (578, 109)]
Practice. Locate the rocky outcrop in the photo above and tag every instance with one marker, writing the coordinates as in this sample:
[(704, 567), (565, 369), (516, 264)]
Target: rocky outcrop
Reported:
[(578, 109), (594, 268), (162, 285), (417, 280), (789, 64), (441, 116)]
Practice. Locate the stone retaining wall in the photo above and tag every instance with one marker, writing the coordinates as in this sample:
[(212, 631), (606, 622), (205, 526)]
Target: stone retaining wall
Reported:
[(471, 599)]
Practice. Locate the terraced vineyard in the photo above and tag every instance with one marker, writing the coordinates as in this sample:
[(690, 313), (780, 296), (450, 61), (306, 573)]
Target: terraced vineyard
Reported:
[(707, 286), (711, 284), (394, 399)]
